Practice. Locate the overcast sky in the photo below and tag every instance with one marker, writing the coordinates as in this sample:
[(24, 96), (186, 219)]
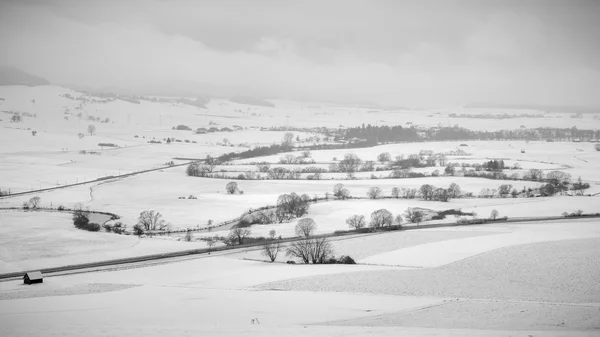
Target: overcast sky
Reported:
[(426, 53)]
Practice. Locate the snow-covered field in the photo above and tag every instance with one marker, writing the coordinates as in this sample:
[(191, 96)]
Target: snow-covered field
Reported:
[(39, 239), (160, 190), (331, 216), (221, 294), (519, 278)]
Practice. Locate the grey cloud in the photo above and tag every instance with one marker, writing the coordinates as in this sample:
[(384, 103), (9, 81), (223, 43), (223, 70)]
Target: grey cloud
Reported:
[(413, 52)]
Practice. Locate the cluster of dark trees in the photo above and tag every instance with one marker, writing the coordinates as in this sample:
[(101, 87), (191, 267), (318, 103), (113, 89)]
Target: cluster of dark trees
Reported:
[(290, 206), (257, 152), (182, 127), (382, 134), (494, 165), (202, 169), (81, 220), (430, 192), (387, 134)]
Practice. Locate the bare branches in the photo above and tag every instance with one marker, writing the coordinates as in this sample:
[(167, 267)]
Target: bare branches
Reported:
[(152, 220), (316, 251), (305, 227), (271, 249)]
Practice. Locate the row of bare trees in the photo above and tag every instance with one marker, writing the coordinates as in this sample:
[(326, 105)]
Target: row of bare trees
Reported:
[(384, 218), (308, 250)]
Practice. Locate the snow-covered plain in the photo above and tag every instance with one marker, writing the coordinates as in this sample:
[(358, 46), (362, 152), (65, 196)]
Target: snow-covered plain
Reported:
[(332, 216), (39, 239), (221, 295), (404, 277)]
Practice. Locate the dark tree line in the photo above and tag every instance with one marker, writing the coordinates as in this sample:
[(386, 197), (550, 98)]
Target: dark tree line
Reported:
[(387, 134)]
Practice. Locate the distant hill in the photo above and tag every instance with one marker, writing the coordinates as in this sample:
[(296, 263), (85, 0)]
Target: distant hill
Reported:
[(252, 101), (14, 76), (200, 102)]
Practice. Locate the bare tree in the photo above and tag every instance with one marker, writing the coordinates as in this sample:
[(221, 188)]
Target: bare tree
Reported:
[(35, 202), (395, 192), (536, 174), (374, 192), (231, 187), (454, 190), (300, 249), (381, 218), (350, 163), (340, 192), (152, 220), (272, 234), (305, 227), (494, 214), (288, 159), (356, 221), (91, 129), (426, 191), (210, 163), (210, 242), (384, 157), (321, 250), (271, 249), (504, 190), (263, 167), (413, 215), (398, 220), (239, 234), (312, 250), (288, 139), (292, 205)]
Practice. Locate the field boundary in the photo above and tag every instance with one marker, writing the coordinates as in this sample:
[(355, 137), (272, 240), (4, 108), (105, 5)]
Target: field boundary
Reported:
[(153, 257), (103, 179)]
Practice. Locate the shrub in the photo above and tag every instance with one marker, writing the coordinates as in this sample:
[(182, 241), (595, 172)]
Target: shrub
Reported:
[(92, 227), (232, 187), (138, 229), (344, 259), (80, 219), (119, 228), (107, 227)]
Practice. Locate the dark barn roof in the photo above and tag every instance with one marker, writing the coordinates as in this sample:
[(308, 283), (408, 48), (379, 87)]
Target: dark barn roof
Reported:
[(33, 277)]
